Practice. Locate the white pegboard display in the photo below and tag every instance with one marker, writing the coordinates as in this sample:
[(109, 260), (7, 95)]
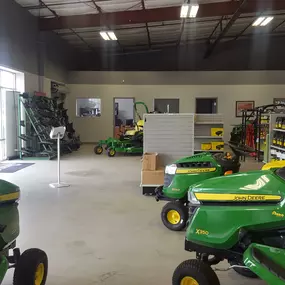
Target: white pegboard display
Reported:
[(171, 135)]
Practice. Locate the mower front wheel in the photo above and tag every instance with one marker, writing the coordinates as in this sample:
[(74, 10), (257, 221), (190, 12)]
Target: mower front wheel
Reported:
[(98, 149), (31, 268), (194, 272), (111, 152), (174, 216)]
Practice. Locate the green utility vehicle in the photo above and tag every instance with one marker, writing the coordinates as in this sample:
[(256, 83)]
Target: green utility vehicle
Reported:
[(185, 172), (238, 218), (31, 266)]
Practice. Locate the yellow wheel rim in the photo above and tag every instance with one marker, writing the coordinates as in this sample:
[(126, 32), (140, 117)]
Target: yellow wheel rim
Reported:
[(112, 152), (173, 217), (40, 272), (187, 280), (99, 150)]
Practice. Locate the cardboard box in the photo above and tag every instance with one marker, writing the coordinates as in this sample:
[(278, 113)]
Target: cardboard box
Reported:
[(150, 161), (218, 145), (206, 146), (217, 132), (154, 177)]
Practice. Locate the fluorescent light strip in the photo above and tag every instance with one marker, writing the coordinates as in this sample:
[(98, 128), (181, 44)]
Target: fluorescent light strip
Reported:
[(104, 36), (193, 11), (112, 36), (258, 21), (184, 11), (266, 21)]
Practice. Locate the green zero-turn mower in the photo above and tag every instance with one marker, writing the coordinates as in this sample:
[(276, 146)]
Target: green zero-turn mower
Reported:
[(31, 266), (130, 142), (239, 218), (185, 172)]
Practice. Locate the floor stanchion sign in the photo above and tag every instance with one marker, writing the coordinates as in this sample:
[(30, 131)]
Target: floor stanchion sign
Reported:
[(58, 133)]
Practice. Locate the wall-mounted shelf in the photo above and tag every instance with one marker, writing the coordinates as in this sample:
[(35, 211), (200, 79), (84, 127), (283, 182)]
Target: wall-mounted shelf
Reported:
[(208, 137), (209, 123), (211, 150), (278, 147), (279, 130)]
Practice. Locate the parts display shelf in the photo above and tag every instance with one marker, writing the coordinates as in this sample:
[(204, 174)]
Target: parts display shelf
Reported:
[(277, 137), (209, 133)]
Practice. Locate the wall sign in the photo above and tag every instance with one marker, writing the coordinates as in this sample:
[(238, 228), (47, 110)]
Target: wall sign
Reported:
[(243, 105)]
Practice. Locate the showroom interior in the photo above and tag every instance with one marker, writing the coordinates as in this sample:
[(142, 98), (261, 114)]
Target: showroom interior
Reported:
[(142, 142)]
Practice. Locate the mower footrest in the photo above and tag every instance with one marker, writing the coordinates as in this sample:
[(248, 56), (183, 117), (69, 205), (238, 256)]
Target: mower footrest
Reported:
[(270, 264)]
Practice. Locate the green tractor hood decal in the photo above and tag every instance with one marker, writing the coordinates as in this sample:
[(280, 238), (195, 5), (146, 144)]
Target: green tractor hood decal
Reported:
[(251, 186)]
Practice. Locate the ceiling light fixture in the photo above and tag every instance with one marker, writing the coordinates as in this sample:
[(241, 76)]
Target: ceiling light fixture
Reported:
[(193, 11), (188, 10), (108, 36), (262, 21), (112, 36), (266, 21), (184, 11), (104, 36)]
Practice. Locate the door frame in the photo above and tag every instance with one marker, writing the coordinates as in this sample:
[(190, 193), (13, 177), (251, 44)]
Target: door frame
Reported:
[(206, 98), (153, 103), (113, 114)]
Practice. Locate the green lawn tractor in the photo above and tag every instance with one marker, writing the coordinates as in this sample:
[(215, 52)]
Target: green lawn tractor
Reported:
[(185, 172), (131, 142), (31, 266), (239, 218)]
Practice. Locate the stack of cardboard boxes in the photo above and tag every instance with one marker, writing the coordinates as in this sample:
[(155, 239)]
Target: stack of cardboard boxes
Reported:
[(152, 171)]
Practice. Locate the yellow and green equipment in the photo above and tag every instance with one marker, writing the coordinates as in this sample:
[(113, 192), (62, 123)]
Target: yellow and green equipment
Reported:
[(31, 266), (130, 142)]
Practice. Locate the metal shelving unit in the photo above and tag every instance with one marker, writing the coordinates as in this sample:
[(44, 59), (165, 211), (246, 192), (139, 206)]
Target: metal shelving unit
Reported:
[(202, 130), (274, 151)]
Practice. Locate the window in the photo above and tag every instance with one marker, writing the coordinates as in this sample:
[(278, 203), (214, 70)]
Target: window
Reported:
[(7, 79), (206, 105), (88, 107)]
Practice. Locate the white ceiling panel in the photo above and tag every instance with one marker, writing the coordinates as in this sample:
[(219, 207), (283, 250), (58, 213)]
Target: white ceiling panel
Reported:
[(26, 3), (150, 4), (78, 9), (41, 12)]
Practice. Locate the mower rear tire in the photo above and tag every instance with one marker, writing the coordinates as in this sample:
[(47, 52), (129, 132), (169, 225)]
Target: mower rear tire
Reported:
[(31, 268), (174, 216), (111, 152), (98, 149), (194, 272)]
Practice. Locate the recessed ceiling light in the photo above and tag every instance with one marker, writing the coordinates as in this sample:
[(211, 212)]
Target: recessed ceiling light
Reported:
[(112, 36), (267, 21), (188, 10), (104, 36)]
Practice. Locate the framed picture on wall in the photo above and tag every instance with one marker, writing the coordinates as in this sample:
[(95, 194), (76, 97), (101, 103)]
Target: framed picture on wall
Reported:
[(243, 105)]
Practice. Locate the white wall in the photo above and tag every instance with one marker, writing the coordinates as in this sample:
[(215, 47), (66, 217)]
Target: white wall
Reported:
[(94, 129)]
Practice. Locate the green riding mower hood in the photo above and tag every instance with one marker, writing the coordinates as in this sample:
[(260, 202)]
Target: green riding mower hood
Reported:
[(185, 172), (30, 266), (239, 218)]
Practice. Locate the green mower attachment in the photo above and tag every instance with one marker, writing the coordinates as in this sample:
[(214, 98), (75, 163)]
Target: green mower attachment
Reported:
[(238, 218), (31, 266), (182, 174)]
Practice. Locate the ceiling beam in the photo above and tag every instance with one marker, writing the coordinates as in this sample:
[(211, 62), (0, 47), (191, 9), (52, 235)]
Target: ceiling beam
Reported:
[(157, 15), (241, 9), (146, 26)]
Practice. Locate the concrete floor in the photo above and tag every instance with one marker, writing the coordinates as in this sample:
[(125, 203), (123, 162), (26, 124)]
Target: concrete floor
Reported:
[(100, 230)]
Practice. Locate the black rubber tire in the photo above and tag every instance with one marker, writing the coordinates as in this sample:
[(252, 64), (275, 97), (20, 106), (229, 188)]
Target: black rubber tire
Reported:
[(197, 269), (98, 149), (27, 265), (111, 152), (181, 209), (243, 271)]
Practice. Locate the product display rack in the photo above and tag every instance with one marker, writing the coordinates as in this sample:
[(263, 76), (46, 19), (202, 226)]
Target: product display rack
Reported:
[(202, 130), (277, 137)]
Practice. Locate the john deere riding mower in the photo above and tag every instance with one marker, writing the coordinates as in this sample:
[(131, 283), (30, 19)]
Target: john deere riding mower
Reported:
[(185, 172), (31, 266), (239, 218), (130, 142)]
